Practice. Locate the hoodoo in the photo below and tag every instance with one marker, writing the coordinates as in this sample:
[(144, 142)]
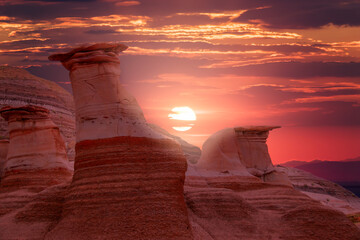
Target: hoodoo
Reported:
[(241, 150), (36, 159), (234, 192), (36, 156), (128, 179)]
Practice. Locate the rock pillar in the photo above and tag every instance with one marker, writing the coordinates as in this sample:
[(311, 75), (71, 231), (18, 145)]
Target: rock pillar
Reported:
[(128, 179), (36, 156)]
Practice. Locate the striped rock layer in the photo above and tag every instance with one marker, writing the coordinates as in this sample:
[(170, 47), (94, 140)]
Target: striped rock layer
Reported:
[(128, 179), (19, 88), (231, 207), (125, 188)]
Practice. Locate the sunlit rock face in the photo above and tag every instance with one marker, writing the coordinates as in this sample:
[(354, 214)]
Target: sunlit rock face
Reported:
[(128, 179), (36, 161), (19, 88), (234, 192)]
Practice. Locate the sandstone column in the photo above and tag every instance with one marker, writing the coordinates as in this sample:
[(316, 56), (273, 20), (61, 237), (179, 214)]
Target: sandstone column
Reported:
[(254, 153), (252, 147), (36, 155), (128, 179)]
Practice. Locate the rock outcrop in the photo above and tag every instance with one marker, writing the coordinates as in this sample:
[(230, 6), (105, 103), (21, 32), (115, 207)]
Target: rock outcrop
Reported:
[(128, 179), (229, 195), (36, 161), (20, 88)]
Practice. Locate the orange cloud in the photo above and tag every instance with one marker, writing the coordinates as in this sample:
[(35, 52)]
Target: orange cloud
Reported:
[(127, 3), (342, 98)]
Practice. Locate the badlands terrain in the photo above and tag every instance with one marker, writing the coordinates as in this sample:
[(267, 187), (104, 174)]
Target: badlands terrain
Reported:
[(132, 180)]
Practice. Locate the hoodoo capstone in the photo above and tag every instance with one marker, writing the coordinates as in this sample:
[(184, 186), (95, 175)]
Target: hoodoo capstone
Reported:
[(128, 179)]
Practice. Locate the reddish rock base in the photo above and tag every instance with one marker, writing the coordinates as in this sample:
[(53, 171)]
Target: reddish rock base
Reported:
[(34, 180), (18, 187), (126, 188)]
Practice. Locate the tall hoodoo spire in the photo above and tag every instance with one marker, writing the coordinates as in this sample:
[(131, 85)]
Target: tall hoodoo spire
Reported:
[(128, 178)]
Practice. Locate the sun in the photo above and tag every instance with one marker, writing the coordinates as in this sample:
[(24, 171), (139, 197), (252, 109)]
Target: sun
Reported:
[(183, 117)]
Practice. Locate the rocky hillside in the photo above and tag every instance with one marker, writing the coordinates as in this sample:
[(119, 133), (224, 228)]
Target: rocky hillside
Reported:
[(335, 171)]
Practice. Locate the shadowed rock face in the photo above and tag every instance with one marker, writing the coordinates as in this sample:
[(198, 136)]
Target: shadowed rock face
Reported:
[(128, 179), (234, 192)]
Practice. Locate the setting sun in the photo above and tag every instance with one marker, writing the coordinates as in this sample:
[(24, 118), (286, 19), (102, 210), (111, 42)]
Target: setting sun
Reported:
[(182, 114)]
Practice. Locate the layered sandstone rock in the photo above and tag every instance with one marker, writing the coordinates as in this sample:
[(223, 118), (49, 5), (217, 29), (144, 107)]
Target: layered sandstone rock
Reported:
[(20, 88), (128, 179), (229, 196)]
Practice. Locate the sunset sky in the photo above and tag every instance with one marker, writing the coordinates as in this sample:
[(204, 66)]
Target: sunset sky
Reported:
[(294, 63)]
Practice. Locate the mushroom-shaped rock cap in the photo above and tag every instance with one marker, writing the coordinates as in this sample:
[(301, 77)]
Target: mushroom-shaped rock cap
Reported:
[(106, 47), (255, 128), (26, 112), (88, 54)]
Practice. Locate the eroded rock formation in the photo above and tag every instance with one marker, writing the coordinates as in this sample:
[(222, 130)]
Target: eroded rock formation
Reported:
[(36, 156), (20, 88), (128, 179), (235, 192), (241, 150), (36, 161)]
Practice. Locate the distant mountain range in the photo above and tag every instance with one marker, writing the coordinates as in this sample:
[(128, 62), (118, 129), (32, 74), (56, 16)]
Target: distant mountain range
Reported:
[(345, 171)]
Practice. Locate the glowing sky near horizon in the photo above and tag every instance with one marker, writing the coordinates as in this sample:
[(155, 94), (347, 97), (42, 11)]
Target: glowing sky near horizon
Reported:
[(234, 62)]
